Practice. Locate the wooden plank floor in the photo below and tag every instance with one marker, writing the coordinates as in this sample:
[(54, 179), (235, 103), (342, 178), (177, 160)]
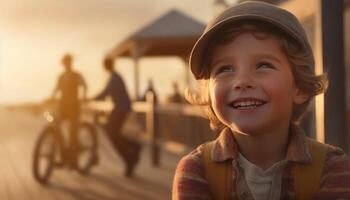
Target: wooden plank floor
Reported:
[(18, 132)]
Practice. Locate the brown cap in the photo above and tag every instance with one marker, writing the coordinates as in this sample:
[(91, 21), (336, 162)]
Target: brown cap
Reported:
[(250, 10)]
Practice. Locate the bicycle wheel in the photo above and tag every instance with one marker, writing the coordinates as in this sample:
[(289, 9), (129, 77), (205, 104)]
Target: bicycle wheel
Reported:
[(44, 155), (87, 156)]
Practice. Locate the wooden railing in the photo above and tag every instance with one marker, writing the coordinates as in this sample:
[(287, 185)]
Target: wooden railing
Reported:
[(152, 124)]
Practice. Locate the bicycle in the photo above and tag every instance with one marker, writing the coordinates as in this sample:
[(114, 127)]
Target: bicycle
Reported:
[(51, 151)]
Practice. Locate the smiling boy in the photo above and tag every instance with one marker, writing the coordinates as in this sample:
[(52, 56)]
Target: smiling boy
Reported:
[(256, 68), (252, 93)]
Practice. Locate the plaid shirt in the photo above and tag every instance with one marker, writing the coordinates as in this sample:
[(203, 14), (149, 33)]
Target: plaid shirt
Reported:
[(190, 183)]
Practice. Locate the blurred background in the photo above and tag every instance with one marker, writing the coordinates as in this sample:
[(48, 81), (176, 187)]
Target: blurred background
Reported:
[(150, 43)]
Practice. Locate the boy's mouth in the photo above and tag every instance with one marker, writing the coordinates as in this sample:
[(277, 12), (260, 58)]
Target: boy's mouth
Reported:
[(247, 103)]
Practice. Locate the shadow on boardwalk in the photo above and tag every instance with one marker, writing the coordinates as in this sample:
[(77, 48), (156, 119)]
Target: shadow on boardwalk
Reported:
[(106, 182)]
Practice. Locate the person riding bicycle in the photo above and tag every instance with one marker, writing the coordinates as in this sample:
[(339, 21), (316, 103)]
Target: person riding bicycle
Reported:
[(128, 149), (68, 85)]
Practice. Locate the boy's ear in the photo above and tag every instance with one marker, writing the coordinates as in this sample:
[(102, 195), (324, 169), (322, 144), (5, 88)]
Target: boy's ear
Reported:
[(300, 97)]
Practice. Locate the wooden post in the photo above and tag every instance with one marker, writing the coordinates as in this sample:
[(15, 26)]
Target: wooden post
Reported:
[(152, 130), (95, 116), (319, 100), (136, 54), (137, 78), (333, 62), (187, 72)]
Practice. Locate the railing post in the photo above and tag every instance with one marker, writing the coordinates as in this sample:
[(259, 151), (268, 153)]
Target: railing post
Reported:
[(333, 62), (95, 116), (152, 130)]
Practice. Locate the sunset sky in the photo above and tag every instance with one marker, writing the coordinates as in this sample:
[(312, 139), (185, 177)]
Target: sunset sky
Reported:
[(34, 34)]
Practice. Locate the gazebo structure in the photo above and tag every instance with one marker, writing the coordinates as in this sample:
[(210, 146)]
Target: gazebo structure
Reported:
[(173, 34)]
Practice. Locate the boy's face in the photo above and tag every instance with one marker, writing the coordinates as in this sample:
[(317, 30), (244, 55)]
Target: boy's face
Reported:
[(251, 85)]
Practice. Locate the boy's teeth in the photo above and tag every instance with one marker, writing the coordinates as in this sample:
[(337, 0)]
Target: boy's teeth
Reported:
[(247, 104)]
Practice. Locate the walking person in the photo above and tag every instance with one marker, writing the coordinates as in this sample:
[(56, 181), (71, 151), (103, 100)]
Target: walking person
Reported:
[(128, 149)]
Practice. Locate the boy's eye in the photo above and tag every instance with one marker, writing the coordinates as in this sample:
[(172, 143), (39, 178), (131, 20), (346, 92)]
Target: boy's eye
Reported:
[(224, 68), (265, 65)]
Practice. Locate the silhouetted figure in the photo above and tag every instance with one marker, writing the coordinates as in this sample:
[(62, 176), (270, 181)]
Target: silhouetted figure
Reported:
[(67, 87), (150, 88), (175, 97), (128, 149)]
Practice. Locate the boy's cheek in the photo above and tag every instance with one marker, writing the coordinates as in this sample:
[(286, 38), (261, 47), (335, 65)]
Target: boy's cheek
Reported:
[(218, 95)]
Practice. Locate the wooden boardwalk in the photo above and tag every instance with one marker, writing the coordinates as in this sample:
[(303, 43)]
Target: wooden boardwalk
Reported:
[(18, 132)]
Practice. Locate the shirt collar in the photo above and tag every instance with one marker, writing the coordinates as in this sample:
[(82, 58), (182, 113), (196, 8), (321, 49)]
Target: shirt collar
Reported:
[(225, 147)]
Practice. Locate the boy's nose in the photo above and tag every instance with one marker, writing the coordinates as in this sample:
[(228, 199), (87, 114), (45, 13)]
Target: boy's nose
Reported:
[(243, 86), (244, 82)]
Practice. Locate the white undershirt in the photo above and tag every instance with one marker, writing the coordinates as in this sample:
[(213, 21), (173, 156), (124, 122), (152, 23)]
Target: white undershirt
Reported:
[(258, 180)]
